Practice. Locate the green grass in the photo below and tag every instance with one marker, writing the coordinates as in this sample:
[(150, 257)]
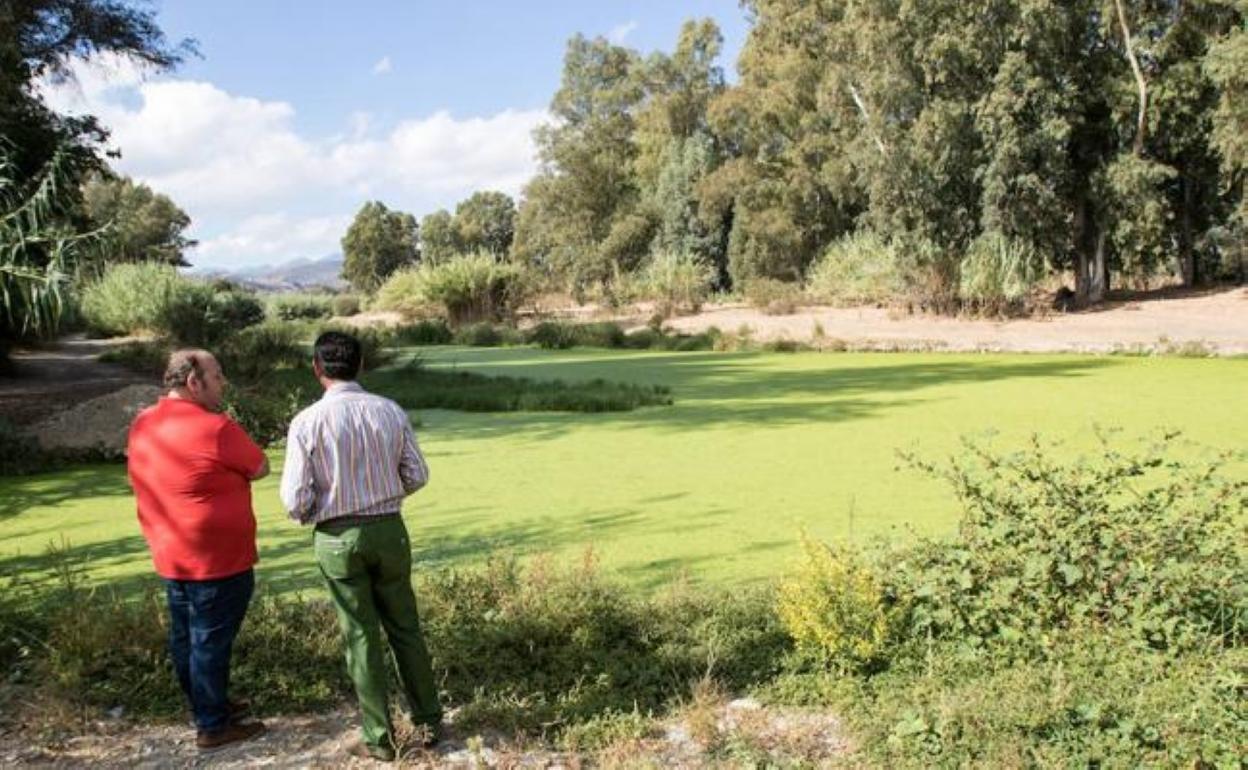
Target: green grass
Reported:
[(756, 447)]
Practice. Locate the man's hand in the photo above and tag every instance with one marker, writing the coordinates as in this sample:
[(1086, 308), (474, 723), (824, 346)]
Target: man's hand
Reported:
[(262, 471)]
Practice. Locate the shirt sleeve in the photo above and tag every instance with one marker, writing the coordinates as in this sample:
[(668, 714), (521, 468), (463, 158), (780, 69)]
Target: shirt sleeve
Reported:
[(413, 471), (298, 487), (238, 452)]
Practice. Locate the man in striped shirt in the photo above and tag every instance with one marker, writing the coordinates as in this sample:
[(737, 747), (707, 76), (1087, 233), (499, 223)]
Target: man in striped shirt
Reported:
[(351, 458)]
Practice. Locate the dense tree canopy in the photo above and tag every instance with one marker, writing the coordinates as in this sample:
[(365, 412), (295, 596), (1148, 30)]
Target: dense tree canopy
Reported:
[(378, 242), (142, 225), (44, 157), (991, 140)]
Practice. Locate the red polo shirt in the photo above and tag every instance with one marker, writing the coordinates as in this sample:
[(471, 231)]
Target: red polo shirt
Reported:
[(191, 471)]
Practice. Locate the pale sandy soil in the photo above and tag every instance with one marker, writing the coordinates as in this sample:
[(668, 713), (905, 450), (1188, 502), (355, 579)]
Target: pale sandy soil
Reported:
[(1164, 322), (321, 741)]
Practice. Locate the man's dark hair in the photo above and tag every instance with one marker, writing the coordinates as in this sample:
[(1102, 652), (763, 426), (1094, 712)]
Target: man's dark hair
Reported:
[(339, 355)]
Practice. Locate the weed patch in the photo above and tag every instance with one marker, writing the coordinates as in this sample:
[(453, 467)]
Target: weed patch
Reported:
[(417, 387)]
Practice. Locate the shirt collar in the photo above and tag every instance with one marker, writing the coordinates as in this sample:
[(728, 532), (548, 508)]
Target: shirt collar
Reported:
[(341, 387)]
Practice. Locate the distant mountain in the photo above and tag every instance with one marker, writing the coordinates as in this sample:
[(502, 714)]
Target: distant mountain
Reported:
[(295, 275)]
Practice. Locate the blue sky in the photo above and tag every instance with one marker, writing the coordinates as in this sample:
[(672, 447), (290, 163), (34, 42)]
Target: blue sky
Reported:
[(298, 112)]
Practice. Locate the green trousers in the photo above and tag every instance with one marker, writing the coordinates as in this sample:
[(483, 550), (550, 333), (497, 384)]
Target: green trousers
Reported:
[(368, 568)]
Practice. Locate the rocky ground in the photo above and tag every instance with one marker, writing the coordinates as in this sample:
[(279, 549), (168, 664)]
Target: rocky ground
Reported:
[(740, 732)]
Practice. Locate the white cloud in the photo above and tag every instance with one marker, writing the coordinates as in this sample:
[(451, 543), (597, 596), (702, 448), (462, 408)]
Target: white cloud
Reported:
[(620, 32), (258, 189), (273, 238), (382, 66)]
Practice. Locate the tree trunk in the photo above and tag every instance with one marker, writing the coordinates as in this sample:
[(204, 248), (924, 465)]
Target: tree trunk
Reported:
[(1098, 283), (1081, 264), (1140, 84), (1187, 249)]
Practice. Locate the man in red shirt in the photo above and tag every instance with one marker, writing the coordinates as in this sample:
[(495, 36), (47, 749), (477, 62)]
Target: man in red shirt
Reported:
[(191, 468)]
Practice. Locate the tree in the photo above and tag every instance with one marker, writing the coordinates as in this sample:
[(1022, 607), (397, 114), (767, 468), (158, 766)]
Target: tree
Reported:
[(439, 238), (44, 157), (587, 177), (486, 221), (143, 226), (378, 242), (41, 38)]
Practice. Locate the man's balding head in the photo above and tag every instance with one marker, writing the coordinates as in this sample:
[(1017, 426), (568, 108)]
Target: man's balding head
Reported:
[(194, 374)]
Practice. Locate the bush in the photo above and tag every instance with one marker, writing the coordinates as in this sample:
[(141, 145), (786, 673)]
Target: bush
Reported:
[(837, 610), (859, 269), (536, 650), (1135, 540), (415, 387), (155, 299), (202, 317), (772, 296), (250, 355), (678, 282), (346, 305), (19, 453), (485, 335), (131, 299), (557, 335), (144, 357), (465, 289), (549, 647), (1094, 701), (302, 306), (265, 408), (434, 332), (998, 273)]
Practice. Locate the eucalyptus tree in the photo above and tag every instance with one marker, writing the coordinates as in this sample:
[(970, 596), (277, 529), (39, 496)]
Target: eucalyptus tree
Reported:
[(586, 178), (486, 221), (378, 242)]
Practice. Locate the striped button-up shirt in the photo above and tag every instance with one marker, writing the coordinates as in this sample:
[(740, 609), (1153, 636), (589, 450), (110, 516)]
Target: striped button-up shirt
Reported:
[(352, 453)]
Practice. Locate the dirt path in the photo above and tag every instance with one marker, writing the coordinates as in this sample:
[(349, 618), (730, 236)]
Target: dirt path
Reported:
[(1216, 321), (321, 741), (48, 380)]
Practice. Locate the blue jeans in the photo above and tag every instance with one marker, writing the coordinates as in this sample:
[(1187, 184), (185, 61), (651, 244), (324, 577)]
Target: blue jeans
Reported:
[(204, 618)]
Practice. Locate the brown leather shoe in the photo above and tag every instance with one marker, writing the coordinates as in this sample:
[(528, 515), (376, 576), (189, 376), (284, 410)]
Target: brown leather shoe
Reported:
[(239, 710), (233, 733)]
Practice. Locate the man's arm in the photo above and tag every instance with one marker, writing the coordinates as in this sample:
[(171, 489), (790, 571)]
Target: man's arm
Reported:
[(298, 487), (413, 471), (262, 471)]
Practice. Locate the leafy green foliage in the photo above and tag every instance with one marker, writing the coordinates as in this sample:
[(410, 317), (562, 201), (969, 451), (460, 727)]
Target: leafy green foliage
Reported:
[(678, 282), (418, 387), (836, 609), (465, 289), (485, 222), (554, 335), (434, 332), (300, 306), (1130, 539), (142, 225), (152, 298), (998, 273), (378, 242), (859, 269), (346, 305), (771, 296), (542, 646), (37, 252)]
